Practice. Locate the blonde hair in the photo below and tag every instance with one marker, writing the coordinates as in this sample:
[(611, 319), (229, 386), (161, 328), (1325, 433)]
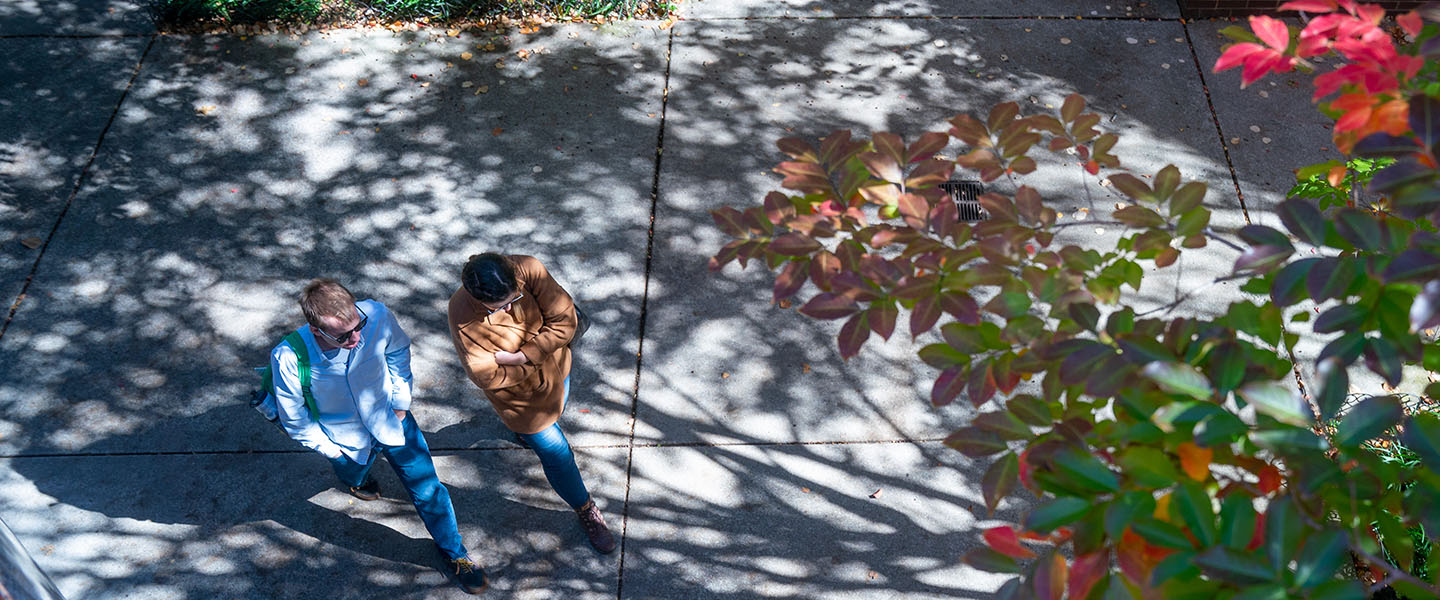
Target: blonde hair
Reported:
[(325, 297)]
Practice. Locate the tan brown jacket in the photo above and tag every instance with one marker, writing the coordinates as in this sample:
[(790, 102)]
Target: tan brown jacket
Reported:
[(527, 397)]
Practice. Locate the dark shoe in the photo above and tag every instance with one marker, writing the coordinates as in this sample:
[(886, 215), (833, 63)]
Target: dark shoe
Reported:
[(595, 529), (370, 490), (469, 574)]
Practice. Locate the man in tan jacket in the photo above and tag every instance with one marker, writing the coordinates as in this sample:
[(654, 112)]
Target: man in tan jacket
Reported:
[(512, 325)]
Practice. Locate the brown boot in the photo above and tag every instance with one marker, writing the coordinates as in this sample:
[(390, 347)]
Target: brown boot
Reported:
[(595, 529)]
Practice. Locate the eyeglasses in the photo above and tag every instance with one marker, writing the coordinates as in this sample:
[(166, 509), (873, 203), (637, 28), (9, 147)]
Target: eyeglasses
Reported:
[(345, 337), (505, 306)]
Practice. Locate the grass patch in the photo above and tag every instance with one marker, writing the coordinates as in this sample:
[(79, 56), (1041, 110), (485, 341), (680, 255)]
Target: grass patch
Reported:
[(234, 12)]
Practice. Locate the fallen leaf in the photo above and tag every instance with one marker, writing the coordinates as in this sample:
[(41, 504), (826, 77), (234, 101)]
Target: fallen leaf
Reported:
[(785, 303), (805, 490), (873, 575), (805, 368), (426, 84), (47, 549), (363, 82), (32, 242), (467, 84), (724, 375), (584, 410), (1065, 40), (207, 109), (496, 131), (877, 493), (481, 90), (453, 32), (466, 56)]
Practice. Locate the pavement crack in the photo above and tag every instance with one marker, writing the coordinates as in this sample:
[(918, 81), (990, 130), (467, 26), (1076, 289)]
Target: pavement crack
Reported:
[(75, 191), (1215, 118)]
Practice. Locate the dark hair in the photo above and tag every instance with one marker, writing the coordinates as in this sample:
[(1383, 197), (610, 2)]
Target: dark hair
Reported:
[(489, 277)]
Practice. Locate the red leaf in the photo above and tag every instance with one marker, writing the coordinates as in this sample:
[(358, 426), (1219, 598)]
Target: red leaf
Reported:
[(1269, 479), (1257, 539), (890, 145), (778, 207), (1087, 571), (948, 387), (883, 166), (1316, 6), (829, 306), (1074, 103), (882, 319), (790, 279), (730, 221), (823, 266), (1004, 540), (970, 130), (798, 148), (924, 315), (726, 254), (853, 335), (1271, 31), (915, 207)]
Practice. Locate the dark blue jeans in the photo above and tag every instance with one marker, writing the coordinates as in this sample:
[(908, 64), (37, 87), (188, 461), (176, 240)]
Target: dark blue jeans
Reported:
[(416, 470), (559, 461)]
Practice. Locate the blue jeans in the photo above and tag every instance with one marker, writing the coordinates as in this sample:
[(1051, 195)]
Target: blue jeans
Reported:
[(559, 461), (416, 470)]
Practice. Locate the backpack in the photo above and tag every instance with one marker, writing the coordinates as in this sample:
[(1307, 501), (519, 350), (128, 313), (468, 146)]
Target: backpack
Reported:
[(263, 399)]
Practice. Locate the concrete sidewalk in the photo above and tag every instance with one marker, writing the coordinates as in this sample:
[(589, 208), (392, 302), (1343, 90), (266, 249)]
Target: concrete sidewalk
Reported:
[(180, 189)]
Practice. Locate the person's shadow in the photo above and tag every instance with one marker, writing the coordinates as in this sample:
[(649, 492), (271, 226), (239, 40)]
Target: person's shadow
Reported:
[(259, 517)]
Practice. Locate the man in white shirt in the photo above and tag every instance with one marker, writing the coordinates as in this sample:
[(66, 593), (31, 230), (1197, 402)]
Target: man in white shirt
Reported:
[(359, 407)]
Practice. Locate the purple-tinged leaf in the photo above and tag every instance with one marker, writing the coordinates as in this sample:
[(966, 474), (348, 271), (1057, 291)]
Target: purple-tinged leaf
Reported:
[(1002, 114), (1332, 277), (726, 254), (999, 480), (837, 148), (1166, 181), (829, 306), (1023, 165), (1425, 119), (1187, 198), (1422, 435), (778, 207), (970, 130), (1412, 265), (1382, 144), (981, 386), (1368, 420), (790, 279), (798, 149), (883, 166), (1003, 424), (1074, 104), (914, 206), (1263, 258), (1383, 359), (913, 288), (882, 319), (890, 145), (1425, 310), (990, 561), (961, 306), (925, 147), (1077, 365), (853, 335), (823, 266), (730, 221), (975, 442), (1085, 315), (1303, 220), (1360, 229), (1401, 174), (948, 385), (1334, 386), (1260, 235), (794, 244), (999, 207), (1139, 216), (1288, 286), (1133, 187), (1345, 317), (925, 314), (929, 173)]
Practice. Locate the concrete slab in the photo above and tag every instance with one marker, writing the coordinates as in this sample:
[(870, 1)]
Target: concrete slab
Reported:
[(241, 168), (271, 525), (75, 17), (55, 97), (721, 9), (736, 88), (799, 521)]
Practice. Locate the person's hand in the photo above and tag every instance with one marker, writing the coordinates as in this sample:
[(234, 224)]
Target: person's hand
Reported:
[(400, 414), (510, 358)]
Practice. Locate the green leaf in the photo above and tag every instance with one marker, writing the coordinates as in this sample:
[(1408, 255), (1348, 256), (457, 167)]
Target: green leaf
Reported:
[(1084, 469), (1234, 566), (1368, 419), (1345, 317), (1341, 590), (1139, 216), (1031, 410), (999, 480), (1124, 509), (1009, 304), (1289, 439), (1187, 198), (1320, 559), (1193, 222), (975, 442), (1359, 228), (1332, 277), (1237, 521), (1334, 385), (1282, 533), (942, 356), (1120, 322), (1219, 429), (1227, 366), (1396, 539), (1422, 436), (965, 339), (1273, 591), (1193, 505), (1056, 513), (1161, 533), (1085, 315), (1179, 566), (1279, 402), (1148, 467), (1178, 378)]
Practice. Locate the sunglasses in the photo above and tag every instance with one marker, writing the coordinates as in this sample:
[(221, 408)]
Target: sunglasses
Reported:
[(504, 306), (345, 337)]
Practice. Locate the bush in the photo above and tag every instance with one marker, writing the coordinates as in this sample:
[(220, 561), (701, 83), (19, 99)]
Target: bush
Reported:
[(1173, 457)]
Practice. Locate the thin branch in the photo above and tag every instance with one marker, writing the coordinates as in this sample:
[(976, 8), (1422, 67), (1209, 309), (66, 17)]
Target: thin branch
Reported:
[(1392, 573), (1215, 236), (1078, 223), (1181, 300)]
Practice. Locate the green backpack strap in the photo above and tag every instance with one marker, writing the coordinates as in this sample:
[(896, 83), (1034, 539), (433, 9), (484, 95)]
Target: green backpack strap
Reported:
[(302, 356)]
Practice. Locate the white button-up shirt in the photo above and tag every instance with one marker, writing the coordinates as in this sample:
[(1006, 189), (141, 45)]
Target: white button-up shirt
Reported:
[(356, 391)]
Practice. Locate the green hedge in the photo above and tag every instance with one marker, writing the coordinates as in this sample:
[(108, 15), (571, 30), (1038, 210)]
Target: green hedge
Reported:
[(258, 11)]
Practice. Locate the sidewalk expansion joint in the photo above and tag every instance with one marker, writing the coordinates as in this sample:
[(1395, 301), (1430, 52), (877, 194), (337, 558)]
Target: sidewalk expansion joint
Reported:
[(75, 191), (76, 36), (1215, 118), (644, 311)]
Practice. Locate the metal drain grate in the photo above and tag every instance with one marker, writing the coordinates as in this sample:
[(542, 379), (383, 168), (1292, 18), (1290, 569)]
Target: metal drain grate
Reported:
[(966, 195)]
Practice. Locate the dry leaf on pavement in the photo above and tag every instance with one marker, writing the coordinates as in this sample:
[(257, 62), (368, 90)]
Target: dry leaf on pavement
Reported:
[(207, 109), (32, 242), (496, 131), (877, 493)]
